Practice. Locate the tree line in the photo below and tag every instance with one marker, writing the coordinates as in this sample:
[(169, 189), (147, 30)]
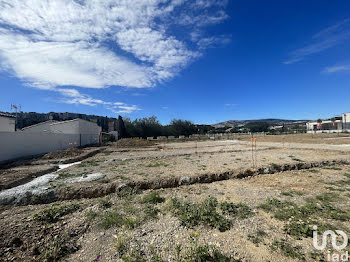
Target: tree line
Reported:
[(151, 127)]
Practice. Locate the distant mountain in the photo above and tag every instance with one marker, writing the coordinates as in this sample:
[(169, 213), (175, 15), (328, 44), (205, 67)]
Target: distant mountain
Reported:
[(270, 121)]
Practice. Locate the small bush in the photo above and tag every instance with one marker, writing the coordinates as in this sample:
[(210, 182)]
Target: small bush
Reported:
[(157, 164), (104, 203), (128, 192), (257, 237), (288, 250), (275, 166), (239, 210), (206, 253), (192, 214), (299, 229), (302, 218), (91, 215), (153, 198), (60, 247), (151, 212), (88, 163), (51, 215), (112, 218)]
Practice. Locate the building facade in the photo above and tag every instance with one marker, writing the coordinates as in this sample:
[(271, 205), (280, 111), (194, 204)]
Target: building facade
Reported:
[(7, 123), (89, 132), (40, 127), (337, 124)]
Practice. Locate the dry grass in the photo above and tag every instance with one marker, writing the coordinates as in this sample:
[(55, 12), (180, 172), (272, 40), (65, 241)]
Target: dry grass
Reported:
[(133, 143)]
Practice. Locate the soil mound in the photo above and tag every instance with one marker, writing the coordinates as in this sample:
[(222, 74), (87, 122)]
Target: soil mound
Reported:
[(129, 142), (67, 153)]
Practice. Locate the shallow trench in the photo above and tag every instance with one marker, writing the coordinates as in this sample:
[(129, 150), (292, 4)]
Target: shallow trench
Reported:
[(103, 190), (100, 190)]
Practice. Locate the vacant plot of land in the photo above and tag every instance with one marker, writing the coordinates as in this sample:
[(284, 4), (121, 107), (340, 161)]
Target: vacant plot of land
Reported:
[(332, 139), (267, 214)]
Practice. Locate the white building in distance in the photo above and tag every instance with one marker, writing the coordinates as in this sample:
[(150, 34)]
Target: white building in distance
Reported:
[(337, 124)]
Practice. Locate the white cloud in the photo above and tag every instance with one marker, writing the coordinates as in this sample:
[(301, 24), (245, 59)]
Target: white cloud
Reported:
[(96, 44), (127, 109), (323, 40), (229, 104), (211, 42), (336, 69), (73, 96)]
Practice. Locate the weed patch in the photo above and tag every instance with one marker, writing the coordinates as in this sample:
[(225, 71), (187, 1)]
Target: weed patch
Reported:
[(153, 198), (205, 253), (52, 215), (157, 164), (209, 212), (275, 166), (257, 237), (331, 168), (206, 212), (239, 210), (91, 215), (104, 203), (288, 250), (292, 193), (60, 247), (114, 218), (302, 218), (88, 163)]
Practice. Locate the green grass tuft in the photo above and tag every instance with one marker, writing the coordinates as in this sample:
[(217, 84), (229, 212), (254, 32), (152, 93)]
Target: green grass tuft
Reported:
[(53, 214)]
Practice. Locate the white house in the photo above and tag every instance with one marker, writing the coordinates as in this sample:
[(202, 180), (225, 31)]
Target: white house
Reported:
[(7, 123), (89, 132), (40, 127), (336, 124)]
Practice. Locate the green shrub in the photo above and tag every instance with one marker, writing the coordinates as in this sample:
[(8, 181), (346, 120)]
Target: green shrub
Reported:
[(51, 215), (239, 210), (58, 248), (91, 215), (257, 237), (302, 218), (205, 253), (153, 198), (288, 250), (192, 214), (151, 212), (104, 203), (112, 218)]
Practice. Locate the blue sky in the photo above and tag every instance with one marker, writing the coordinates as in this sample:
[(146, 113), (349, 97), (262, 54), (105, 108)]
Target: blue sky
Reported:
[(202, 60)]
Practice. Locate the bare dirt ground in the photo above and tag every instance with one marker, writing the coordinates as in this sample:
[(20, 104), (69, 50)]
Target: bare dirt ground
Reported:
[(332, 139), (266, 216), (23, 171)]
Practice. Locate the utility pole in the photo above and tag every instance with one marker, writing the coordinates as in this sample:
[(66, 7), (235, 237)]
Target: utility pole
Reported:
[(18, 109)]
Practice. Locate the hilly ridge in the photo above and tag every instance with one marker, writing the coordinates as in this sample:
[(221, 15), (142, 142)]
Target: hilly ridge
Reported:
[(270, 121)]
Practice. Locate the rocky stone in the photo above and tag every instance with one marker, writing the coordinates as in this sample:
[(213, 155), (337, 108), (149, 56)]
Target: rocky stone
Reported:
[(184, 180)]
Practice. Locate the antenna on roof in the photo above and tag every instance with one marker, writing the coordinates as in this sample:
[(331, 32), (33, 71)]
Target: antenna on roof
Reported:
[(17, 109)]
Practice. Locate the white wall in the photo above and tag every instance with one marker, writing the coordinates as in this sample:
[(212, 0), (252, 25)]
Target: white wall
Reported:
[(346, 121), (24, 144), (77, 126), (87, 127), (7, 124), (41, 127), (67, 127)]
